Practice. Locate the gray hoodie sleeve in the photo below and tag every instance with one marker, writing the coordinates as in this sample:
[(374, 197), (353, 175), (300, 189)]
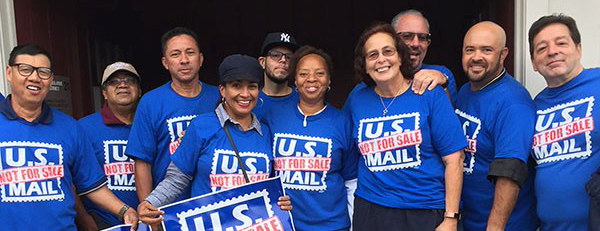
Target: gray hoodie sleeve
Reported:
[(169, 188)]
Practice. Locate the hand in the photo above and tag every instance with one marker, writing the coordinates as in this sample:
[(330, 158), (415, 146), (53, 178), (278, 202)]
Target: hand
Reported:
[(131, 217), (449, 224), (427, 79), (150, 214), (285, 203)]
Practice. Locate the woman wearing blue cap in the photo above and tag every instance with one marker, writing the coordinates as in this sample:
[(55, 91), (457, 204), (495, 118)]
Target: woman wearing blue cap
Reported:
[(206, 156), (314, 151)]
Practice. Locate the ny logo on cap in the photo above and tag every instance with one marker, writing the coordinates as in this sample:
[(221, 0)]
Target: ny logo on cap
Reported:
[(285, 37)]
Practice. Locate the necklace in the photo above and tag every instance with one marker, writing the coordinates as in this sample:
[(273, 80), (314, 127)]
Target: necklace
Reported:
[(385, 108)]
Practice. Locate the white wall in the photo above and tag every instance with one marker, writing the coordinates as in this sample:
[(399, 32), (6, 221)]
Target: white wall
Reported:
[(585, 13), (8, 40)]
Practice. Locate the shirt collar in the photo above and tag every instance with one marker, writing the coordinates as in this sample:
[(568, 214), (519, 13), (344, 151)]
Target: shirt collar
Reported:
[(7, 110), (108, 117), (224, 117)]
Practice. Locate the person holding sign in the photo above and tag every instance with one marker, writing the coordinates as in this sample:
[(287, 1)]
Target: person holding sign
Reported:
[(410, 173), (314, 151), (223, 149)]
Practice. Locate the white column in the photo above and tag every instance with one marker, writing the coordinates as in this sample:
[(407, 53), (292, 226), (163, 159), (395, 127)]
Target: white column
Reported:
[(8, 40), (528, 11)]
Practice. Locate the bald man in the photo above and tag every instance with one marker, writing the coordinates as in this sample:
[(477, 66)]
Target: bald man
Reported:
[(497, 116)]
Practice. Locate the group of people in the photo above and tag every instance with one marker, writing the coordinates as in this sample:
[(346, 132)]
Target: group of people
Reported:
[(406, 152)]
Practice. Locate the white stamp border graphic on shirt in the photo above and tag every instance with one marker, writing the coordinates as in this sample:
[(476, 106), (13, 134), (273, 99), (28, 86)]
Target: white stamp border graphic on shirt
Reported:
[(471, 165), (417, 117), (217, 152), (231, 201), (58, 197), (170, 122), (329, 143), (588, 138), (110, 185)]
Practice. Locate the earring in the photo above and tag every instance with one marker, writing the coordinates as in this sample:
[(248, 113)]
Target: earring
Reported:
[(328, 88)]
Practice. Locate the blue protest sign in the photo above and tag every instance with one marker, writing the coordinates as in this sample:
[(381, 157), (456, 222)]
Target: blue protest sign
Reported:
[(127, 227), (250, 207)]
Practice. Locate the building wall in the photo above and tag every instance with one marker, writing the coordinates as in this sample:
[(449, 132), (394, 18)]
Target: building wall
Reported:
[(528, 11)]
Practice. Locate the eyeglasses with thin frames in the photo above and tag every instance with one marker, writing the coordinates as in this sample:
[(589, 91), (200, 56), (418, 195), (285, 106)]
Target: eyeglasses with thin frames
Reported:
[(409, 36), (26, 70), (386, 51), (277, 55)]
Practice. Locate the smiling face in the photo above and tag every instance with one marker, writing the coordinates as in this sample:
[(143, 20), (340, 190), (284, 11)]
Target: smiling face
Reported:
[(417, 48), (555, 55), (28, 92), (240, 98), (122, 89), (484, 52), (382, 61), (182, 58), (312, 78)]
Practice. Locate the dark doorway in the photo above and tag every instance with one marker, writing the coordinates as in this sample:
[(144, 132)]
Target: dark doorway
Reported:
[(86, 35)]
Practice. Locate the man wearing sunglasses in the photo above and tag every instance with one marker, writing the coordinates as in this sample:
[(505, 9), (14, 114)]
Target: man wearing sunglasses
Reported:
[(42, 153), (108, 131), (276, 51), (413, 29)]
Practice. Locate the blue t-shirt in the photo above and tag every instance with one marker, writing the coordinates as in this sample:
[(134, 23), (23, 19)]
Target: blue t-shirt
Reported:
[(315, 155), (498, 122), (38, 164), (206, 154), (401, 163), (161, 117), (1, 97), (451, 82), (109, 142), (565, 148), (267, 103)]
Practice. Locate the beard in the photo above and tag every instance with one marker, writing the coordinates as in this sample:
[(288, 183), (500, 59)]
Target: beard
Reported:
[(275, 79)]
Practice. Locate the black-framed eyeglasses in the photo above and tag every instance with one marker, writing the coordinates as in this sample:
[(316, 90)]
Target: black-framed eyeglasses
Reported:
[(26, 70), (276, 55), (409, 36), (117, 81)]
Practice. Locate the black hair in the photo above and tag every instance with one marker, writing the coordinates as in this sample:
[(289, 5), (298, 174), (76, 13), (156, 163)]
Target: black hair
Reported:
[(28, 49), (176, 32)]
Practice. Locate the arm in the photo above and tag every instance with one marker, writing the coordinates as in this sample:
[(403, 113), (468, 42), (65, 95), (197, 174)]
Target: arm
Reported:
[(454, 179), (505, 198), (83, 219), (107, 200), (143, 178)]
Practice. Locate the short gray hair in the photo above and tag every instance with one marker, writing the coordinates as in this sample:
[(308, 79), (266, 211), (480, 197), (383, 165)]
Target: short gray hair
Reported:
[(411, 11)]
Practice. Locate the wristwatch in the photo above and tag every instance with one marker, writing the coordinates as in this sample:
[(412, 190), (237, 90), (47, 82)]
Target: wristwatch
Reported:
[(122, 211), (452, 215)]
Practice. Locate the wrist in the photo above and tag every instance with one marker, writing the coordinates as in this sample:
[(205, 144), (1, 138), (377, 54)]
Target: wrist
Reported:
[(445, 84), (452, 215), (122, 211)]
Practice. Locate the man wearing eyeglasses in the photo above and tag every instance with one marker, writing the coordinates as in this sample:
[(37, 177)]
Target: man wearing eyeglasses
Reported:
[(42, 153), (108, 131), (413, 29), (276, 51)]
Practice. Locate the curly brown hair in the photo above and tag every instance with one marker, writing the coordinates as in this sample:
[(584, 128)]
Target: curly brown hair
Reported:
[(360, 69)]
